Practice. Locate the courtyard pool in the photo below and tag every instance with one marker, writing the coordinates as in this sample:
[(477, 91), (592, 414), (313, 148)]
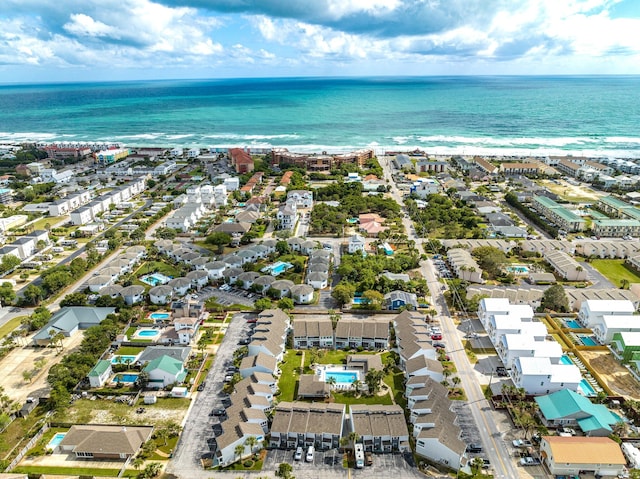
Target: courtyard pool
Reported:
[(125, 377), (155, 279), (572, 323), (518, 269), (341, 376), (159, 316), (56, 440), (277, 268), (123, 359), (586, 388), (360, 300)]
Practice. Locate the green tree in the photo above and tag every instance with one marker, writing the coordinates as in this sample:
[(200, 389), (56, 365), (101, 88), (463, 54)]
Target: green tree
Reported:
[(284, 470), (286, 304), (239, 451), (282, 248), (373, 298), (490, 259), (7, 295), (262, 304), (56, 281), (343, 294), (373, 380), (8, 262), (218, 239), (74, 299), (32, 294), (555, 299)]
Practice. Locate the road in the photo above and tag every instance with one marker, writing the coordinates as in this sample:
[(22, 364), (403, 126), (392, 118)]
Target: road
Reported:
[(494, 446), (38, 280)]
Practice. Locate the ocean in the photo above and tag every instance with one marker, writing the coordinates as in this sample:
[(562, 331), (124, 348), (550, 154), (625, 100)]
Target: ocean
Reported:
[(591, 116)]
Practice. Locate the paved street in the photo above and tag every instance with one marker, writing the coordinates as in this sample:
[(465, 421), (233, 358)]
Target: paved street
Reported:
[(198, 425), (482, 413)]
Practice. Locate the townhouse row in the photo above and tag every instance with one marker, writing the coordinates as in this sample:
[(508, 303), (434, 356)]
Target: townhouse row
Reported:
[(101, 204)]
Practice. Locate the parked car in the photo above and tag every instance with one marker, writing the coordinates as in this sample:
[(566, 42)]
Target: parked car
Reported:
[(368, 458), (501, 371), (439, 345), (436, 337), (474, 448), (219, 412), (529, 461), (201, 386), (310, 453), (521, 443), (298, 454)]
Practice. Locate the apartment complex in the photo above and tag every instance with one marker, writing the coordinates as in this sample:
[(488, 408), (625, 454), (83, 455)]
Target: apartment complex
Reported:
[(558, 214), (319, 163)]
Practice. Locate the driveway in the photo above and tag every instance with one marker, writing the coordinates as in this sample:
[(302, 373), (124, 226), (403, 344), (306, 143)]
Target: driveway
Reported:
[(198, 425)]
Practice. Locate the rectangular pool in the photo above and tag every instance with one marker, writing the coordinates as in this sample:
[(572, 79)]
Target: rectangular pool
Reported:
[(587, 340), (56, 440), (586, 388), (126, 378), (341, 377), (564, 359), (572, 323)]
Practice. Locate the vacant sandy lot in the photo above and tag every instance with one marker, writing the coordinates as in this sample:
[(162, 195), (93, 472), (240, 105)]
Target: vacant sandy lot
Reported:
[(571, 192), (618, 378), (23, 358)]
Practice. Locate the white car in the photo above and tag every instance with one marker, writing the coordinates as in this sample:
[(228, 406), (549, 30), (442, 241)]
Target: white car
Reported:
[(310, 453), (298, 455)]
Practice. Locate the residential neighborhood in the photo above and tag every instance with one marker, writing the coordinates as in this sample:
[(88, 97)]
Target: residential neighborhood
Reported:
[(195, 313)]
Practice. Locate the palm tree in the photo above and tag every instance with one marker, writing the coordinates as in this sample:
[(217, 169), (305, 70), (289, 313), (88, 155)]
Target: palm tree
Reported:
[(331, 382), (251, 442), (137, 463), (239, 450), (353, 438), (357, 386)]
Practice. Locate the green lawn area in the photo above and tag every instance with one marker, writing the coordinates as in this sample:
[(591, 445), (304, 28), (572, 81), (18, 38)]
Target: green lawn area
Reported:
[(21, 430), (129, 350), (51, 220), (157, 267), (349, 398), (73, 471), (10, 325), (615, 271), (289, 377), (395, 380)]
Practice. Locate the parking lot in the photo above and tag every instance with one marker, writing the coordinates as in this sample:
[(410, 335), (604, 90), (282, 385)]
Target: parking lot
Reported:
[(230, 296)]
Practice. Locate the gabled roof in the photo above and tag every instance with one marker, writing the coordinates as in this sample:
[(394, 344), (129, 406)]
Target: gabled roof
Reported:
[(165, 363), (106, 439), (100, 368), (566, 403), (67, 319)]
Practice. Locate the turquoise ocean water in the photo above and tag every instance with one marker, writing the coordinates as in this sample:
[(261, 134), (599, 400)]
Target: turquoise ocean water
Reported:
[(490, 115)]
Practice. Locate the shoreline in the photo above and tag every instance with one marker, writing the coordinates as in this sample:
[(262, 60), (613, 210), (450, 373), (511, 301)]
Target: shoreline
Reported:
[(439, 150)]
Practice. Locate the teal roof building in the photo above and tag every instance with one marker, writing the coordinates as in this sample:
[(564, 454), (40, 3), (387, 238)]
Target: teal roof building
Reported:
[(568, 408), (164, 371)]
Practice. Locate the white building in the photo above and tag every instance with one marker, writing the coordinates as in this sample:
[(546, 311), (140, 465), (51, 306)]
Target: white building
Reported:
[(592, 311), (356, 243), (541, 376), (232, 184), (302, 198)]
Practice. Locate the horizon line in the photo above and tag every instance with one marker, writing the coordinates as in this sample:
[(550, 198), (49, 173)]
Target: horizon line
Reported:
[(319, 77)]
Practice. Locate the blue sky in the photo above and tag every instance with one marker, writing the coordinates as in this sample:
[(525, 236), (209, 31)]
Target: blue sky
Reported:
[(91, 40)]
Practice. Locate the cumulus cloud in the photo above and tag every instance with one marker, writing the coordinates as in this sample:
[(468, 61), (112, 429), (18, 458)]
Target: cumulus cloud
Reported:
[(319, 33)]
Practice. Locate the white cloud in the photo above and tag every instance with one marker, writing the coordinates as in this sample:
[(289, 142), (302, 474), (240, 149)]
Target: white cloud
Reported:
[(84, 25)]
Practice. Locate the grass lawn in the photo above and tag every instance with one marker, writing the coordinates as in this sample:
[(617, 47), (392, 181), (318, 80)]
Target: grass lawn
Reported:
[(52, 220), (20, 430), (349, 398), (73, 471), (615, 271), (129, 350), (10, 325), (395, 381), (39, 448), (289, 377), (157, 267)]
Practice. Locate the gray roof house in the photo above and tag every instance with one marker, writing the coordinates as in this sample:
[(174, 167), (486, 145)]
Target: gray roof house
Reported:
[(69, 320)]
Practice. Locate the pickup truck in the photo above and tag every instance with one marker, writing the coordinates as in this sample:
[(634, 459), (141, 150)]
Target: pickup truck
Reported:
[(521, 443), (529, 461)]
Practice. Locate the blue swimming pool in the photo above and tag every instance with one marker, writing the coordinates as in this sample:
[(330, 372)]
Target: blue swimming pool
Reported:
[(586, 388), (360, 300), (573, 324), (518, 269), (155, 279), (159, 316), (564, 359), (587, 340), (56, 440), (341, 377), (126, 378), (147, 333), (123, 359), (277, 268)]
